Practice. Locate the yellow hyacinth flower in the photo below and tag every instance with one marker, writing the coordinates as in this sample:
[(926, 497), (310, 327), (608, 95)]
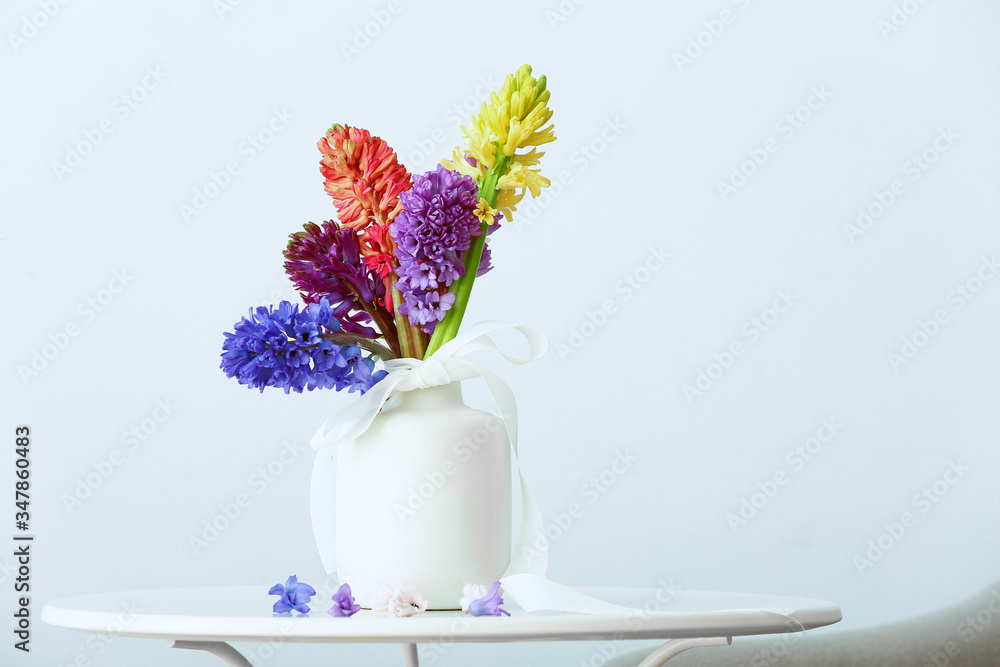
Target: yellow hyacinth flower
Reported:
[(461, 165), (515, 117), (520, 177), (507, 201), (486, 213), (529, 159)]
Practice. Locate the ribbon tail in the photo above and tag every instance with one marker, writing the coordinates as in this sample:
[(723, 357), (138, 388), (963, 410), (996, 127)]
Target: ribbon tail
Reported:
[(357, 417), (531, 554), (536, 593), (502, 395), (477, 338), (530, 558)]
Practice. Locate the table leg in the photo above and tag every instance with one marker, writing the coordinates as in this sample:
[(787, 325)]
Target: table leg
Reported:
[(676, 646), (221, 650), (410, 658)]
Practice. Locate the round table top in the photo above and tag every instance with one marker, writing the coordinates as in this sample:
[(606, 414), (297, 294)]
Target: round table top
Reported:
[(243, 613)]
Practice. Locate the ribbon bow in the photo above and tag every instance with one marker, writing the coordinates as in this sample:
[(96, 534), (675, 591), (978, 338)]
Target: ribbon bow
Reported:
[(446, 365)]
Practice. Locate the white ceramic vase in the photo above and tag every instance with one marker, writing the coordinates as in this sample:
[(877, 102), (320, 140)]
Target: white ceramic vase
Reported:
[(422, 498)]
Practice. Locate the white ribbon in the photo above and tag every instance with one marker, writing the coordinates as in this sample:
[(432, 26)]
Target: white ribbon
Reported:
[(524, 581), (441, 368), (533, 593)]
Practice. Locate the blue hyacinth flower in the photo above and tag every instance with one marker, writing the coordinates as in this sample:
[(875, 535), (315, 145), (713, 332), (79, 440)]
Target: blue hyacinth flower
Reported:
[(294, 595)]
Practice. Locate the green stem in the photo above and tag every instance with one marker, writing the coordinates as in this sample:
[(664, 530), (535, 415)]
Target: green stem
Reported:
[(380, 316), (447, 328), (412, 341), (377, 349)]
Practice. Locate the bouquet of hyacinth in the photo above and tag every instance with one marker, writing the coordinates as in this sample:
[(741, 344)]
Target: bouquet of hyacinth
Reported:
[(391, 276)]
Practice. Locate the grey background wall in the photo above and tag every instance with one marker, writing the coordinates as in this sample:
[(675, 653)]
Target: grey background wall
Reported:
[(805, 387)]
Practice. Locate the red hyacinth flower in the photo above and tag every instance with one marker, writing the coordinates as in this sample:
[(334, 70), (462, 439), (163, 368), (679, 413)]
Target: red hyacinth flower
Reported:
[(363, 175)]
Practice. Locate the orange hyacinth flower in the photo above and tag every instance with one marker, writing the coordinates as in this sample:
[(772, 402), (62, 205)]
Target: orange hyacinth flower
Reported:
[(363, 175)]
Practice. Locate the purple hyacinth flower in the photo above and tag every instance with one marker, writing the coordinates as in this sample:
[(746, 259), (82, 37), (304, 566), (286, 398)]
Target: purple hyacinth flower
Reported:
[(343, 603), (488, 605), (294, 595), (426, 309), (432, 233)]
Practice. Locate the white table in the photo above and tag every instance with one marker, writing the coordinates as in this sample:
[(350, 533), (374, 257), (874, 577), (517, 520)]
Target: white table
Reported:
[(207, 618)]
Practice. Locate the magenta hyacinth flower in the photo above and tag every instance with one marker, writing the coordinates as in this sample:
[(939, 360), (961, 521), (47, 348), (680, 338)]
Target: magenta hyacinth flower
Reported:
[(325, 261)]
